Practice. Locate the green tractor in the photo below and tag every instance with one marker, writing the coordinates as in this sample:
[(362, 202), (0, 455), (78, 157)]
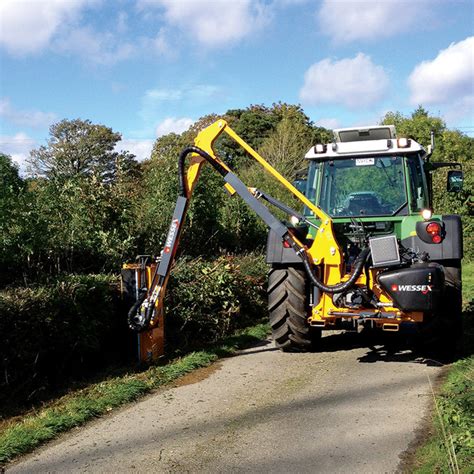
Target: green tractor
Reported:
[(366, 251), (401, 263)]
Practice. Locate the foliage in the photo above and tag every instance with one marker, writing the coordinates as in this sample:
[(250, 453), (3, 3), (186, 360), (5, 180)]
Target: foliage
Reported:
[(468, 283), (97, 399), (156, 203), (451, 449), (54, 332), (207, 300), (79, 147), (12, 199), (50, 333), (77, 213)]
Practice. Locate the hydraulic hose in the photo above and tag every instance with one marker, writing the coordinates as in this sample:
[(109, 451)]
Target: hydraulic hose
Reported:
[(139, 318), (340, 287), (135, 322), (181, 163)]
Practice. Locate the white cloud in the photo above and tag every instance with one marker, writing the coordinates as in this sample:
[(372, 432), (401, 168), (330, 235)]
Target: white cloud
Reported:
[(160, 101), (96, 47), (356, 82), (193, 92), (330, 123), (447, 79), (349, 20), (159, 44), (140, 148), (28, 26), (27, 118), (18, 146), (31, 26), (213, 23), (173, 125), (158, 95)]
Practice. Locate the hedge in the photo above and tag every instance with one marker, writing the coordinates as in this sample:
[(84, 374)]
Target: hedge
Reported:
[(57, 333)]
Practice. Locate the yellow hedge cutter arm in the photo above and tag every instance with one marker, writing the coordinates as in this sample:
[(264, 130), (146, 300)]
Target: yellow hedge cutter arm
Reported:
[(147, 313)]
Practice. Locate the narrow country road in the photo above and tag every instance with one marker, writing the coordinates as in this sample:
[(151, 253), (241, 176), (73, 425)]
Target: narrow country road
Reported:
[(346, 409)]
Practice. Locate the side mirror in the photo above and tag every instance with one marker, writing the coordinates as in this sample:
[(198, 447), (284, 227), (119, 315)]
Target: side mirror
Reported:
[(455, 180)]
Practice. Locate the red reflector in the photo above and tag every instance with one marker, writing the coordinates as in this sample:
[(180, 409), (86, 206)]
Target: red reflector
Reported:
[(436, 239), (286, 244), (433, 228)]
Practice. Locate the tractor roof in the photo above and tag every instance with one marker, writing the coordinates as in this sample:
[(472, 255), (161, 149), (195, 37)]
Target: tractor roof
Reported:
[(375, 140)]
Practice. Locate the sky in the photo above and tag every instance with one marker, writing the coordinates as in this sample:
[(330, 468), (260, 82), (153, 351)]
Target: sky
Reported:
[(149, 67)]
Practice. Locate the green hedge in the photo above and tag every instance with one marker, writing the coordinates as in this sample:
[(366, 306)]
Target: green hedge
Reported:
[(208, 299), (50, 333), (54, 334)]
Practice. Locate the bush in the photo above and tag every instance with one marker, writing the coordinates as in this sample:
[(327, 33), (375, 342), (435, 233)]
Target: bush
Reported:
[(50, 333), (54, 334), (209, 299)]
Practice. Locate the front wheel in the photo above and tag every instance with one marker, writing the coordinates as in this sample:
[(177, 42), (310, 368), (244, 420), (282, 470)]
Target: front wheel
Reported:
[(288, 308)]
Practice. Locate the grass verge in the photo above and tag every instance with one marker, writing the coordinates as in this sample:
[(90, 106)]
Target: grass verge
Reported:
[(450, 448), (78, 407), (468, 283)]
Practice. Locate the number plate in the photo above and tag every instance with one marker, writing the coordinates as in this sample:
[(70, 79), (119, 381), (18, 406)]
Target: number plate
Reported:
[(365, 161)]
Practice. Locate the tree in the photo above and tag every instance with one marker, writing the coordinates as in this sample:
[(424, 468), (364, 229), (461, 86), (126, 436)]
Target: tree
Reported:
[(85, 191), (11, 193), (284, 148), (418, 126), (79, 147)]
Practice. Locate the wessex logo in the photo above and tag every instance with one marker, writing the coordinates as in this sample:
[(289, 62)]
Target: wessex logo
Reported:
[(171, 234), (425, 289)]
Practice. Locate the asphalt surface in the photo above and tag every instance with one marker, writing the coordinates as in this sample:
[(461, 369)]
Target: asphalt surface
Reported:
[(346, 409)]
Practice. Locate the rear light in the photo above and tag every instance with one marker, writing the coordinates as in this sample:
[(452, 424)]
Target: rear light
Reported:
[(286, 244), (433, 228), (435, 231)]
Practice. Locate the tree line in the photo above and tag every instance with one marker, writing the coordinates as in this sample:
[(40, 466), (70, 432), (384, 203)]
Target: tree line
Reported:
[(85, 207)]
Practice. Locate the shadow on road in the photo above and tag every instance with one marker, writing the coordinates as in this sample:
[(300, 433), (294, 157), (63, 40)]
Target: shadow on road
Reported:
[(382, 347)]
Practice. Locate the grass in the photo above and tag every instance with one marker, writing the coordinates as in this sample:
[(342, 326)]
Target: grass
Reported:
[(450, 448), (78, 407), (468, 283)]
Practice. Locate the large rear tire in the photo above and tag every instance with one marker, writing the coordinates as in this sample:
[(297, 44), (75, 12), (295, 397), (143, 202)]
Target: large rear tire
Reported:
[(288, 308), (442, 335)]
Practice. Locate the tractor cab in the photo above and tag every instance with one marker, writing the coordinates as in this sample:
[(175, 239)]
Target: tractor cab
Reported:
[(374, 175)]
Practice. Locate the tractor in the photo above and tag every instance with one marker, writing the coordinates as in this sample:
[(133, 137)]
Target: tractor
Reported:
[(366, 251)]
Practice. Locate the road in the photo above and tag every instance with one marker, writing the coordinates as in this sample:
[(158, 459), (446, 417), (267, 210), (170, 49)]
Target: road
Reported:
[(346, 409)]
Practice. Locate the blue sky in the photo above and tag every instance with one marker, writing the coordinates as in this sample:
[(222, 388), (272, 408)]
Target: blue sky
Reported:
[(148, 67)]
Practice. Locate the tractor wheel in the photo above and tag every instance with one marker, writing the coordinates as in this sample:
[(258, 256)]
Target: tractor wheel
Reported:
[(288, 305), (442, 334)]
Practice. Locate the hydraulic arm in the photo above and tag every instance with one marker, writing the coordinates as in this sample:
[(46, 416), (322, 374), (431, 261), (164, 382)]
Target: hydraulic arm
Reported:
[(147, 312)]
